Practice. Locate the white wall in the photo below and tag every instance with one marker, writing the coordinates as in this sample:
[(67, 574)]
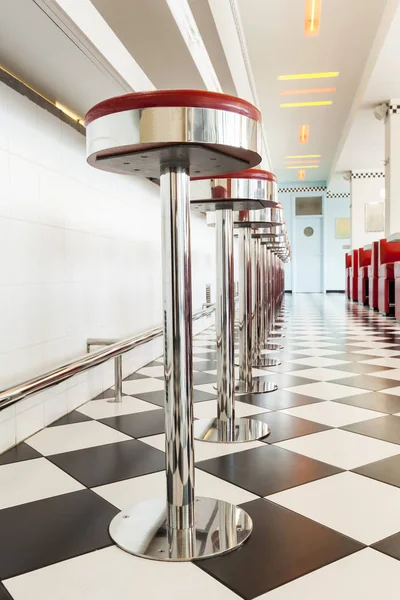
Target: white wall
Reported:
[(364, 190), (80, 257)]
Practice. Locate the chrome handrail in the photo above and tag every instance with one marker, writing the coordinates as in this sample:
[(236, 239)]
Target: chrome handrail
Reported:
[(15, 393)]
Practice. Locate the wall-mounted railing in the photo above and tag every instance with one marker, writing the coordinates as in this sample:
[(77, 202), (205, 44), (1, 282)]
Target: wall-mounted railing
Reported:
[(18, 392)]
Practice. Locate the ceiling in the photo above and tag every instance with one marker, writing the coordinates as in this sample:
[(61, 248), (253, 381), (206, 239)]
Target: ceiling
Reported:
[(364, 145), (249, 43)]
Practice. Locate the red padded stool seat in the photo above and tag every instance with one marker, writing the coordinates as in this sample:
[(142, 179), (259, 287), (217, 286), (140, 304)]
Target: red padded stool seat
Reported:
[(139, 133)]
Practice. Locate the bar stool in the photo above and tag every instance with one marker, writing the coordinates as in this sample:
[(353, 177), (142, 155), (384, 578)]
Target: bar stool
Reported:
[(173, 135), (248, 190), (246, 221)]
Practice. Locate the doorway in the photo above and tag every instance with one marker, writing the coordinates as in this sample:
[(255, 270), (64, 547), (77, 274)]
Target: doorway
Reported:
[(308, 245)]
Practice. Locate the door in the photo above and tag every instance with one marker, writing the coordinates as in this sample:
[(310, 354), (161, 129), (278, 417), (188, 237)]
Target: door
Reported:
[(308, 248)]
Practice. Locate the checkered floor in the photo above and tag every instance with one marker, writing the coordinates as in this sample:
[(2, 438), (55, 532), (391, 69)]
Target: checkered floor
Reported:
[(323, 490)]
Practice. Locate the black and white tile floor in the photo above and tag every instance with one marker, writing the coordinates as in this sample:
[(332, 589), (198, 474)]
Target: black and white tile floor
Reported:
[(323, 490)]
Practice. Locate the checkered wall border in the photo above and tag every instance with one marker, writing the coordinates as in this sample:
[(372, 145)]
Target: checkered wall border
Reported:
[(394, 109), (310, 188), (367, 175), (338, 195)]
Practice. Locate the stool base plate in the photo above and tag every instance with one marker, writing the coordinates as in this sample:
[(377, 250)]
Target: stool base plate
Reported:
[(257, 386), (263, 361), (274, 335), (273, 347), (142, 530), (241, 430)]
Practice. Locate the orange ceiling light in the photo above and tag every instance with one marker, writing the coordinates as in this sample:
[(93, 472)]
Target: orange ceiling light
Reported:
[(307, 91), (301, 174), (303, 134), (312, 17)]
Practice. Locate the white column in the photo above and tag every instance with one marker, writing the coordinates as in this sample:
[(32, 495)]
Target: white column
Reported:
[(392, 168), (366, 187)]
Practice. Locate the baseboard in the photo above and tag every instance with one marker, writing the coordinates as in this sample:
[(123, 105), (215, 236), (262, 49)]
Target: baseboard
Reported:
[(334, 291)]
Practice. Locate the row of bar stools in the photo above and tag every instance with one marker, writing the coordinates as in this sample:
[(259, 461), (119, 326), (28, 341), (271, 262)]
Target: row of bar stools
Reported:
[(173, 135), (245, 191)]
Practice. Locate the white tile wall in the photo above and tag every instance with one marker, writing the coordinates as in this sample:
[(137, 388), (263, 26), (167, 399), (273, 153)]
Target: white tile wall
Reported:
[(80, 257)]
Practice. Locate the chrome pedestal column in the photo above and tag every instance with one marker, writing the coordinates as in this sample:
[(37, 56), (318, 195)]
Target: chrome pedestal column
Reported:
[(183, 527), (247, 384), (226, 427)]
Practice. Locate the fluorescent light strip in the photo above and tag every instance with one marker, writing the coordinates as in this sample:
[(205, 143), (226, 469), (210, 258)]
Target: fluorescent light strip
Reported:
[(308, 162), (187, 25), (324, 75), (304, 156), (307, 91), (303, 134), (304, 167), (302, 104)]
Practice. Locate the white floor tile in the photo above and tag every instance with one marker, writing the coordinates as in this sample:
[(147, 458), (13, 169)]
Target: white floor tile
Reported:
[(318, 352), (204, 450), (394, 391), (66, 438), (333, 414), (349, 503), (367, 574), (326, 391), (389, 374), (321, 374), (124, 494), (31, 480), (208, 409), (155, 371), (319, 361), (393, 363), (209, 388), (101, 409), (112, 573), (341, 448), (141, 386)]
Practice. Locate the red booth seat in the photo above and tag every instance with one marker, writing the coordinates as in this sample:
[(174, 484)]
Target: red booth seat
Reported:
[(389, 253), (354, 276), (364, 259), (397, 290), (373, 277), (348, 273)]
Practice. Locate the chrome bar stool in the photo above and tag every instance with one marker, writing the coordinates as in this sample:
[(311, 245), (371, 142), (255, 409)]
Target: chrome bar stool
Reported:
[(172, 135), (247, 190), (246, 221)]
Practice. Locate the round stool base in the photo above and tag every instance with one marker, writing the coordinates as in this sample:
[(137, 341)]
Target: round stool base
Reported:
[(241, 430), (142, 530), (274, 335), (272, 347), (257, 386), (263, 361)]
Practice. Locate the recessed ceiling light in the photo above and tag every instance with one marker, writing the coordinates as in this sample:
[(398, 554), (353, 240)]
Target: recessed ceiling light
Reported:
[(301, 174), (304, 156), (299, 104), (304, 167), (324, 75), (303, 135), (312, 17), (307, 91)]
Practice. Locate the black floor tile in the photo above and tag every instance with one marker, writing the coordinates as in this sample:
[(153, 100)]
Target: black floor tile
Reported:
[(278, 400), (285, 367), (158, 397), (105, 395), (385, 428), (18, 453), (138, 425), (283, 380), (267, 470), (282, 547), (211, 355), (4, 595), (136, 376), (390, 546), (367, 382), (200, 377), (48, 531), (386, 403), (360, 368), (285, 427), (205, 365), (351, 356), (386, 470), (109, 463), (73, 417)]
